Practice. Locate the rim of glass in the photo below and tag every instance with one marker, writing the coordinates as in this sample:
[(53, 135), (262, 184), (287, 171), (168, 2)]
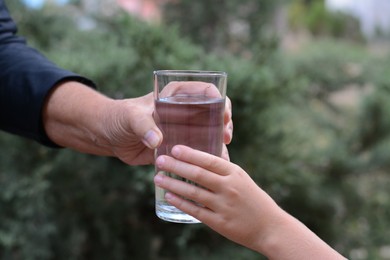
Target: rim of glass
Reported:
[(190, 72)]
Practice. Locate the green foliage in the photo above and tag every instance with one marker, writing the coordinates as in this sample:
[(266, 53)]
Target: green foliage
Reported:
[(348, 99), (312, 129), (314, 17), (233, 26)]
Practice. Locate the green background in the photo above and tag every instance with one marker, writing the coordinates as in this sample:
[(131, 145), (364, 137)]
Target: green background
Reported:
[(311, 127)]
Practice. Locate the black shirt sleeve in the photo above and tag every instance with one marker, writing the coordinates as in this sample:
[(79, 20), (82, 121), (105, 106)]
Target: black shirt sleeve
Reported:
[(26, 78)]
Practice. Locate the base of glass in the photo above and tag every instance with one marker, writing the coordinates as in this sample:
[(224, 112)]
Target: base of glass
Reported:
[(170, 213)]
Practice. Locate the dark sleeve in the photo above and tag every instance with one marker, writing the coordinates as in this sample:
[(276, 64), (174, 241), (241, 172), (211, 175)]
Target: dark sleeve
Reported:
[(26, 78)]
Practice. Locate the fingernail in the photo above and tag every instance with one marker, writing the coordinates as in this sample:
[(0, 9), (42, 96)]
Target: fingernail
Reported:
[(175, 151), (169, 196), (160, 161), (158, 179), (151, 139)]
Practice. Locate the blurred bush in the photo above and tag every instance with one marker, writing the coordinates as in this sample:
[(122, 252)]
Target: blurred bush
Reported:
[(310, 128), (314, 17), (234, 26)]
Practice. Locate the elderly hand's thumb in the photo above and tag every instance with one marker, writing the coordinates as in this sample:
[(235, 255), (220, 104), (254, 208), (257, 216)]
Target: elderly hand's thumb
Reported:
[(139, 113), (152, 138), (147, 131)]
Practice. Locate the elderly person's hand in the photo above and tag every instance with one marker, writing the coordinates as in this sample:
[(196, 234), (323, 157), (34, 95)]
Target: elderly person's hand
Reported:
[(78, 117)]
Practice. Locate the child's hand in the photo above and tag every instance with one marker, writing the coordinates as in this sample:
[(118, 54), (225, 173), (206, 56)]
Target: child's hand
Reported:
[(233, 204)]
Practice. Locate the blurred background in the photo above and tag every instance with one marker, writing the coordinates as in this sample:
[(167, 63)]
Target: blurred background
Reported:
[(310, 86)]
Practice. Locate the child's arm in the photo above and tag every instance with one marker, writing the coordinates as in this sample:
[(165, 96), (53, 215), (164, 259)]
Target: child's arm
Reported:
[(236, 207)]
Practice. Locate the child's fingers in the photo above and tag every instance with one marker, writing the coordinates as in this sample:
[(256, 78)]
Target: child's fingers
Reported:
[(187, 190), (203, 214), (202, 159), (188, 171)]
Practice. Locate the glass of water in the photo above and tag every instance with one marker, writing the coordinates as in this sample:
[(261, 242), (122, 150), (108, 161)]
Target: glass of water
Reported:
[(189, 110)]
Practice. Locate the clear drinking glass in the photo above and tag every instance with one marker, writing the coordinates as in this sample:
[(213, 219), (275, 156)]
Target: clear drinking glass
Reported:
[(189, 109)]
